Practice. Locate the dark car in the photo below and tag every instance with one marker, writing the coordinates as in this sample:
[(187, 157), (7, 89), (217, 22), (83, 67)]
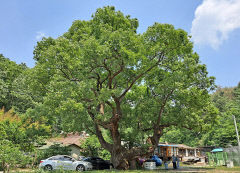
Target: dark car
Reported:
[(99, 163)]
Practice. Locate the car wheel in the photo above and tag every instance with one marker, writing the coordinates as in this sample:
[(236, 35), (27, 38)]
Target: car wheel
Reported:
[(80, 168), (48, 168)]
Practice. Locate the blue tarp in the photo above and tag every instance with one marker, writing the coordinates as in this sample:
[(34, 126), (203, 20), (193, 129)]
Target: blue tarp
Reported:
[(156, 159), (167, 145), (217, 150)]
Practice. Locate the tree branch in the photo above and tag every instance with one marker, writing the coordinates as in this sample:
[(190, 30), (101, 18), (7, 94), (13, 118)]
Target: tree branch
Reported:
[(104, 143), (162, 107), (114, 75), (136, 78)]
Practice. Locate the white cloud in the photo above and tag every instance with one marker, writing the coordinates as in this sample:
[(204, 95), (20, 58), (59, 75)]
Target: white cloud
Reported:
[(40, 35), (214, 20)]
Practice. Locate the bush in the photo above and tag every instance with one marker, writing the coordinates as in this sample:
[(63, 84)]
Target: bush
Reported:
[(92, 147), (10, 155)]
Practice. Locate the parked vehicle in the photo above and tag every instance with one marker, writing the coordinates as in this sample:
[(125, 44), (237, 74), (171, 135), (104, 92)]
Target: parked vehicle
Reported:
[(99, 163), (64, 162)]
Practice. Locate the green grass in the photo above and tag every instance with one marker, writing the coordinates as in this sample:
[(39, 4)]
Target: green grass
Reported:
[(207, 169)]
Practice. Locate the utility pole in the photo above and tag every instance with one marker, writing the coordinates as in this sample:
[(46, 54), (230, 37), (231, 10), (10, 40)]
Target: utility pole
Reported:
[(234, 119)]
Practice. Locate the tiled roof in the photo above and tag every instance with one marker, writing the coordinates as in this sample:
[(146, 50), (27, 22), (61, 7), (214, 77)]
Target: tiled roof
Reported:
[(185, 146), (175, 145), (71, 138)]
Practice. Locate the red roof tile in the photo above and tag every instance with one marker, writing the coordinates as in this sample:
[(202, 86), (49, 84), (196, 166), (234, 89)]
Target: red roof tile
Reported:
[(71, 138)]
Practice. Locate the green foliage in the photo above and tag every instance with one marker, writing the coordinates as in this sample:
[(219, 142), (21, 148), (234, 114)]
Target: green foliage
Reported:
[(181, 136), (92, 147), (69, 65), (223, 133), (14, 91), (20, 131), (10, 155)]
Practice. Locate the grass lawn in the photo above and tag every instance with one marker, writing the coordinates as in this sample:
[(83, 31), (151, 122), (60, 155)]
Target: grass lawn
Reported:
[(192, 169), (189, 169)]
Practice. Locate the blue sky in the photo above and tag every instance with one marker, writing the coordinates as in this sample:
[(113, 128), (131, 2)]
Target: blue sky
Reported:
[(213, 24)]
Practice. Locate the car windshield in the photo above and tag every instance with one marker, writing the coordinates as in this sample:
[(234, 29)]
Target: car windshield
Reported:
[(81, 158)]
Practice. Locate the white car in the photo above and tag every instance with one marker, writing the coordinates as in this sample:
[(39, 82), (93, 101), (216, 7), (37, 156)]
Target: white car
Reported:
[(64, 162)]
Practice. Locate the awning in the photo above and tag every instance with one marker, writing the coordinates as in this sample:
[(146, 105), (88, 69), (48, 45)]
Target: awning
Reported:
[(217, 150), (167, 145)]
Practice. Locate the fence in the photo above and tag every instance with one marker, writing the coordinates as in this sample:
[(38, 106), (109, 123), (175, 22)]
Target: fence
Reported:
[(233, 154), (222, 158), (218, 158)]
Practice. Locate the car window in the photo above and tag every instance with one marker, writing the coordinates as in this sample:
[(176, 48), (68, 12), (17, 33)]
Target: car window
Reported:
[(87, 159), (55, 158), (66, 158), (92, 158), (98, 159)]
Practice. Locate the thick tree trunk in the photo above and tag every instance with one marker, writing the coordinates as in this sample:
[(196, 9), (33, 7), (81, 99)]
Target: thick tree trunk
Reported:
[(123, 158), (119, 162), (133, 164)]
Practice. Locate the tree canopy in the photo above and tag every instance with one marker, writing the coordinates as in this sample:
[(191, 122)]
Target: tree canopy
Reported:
[(102, 75), (128, 90)]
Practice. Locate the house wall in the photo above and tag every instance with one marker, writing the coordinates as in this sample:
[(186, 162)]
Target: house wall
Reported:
[(75, 151), (167, 151)]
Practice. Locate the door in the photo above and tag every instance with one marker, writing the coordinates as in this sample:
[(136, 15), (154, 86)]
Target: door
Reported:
[(94, 163), (68, 163), (59, 162), (55, 162)]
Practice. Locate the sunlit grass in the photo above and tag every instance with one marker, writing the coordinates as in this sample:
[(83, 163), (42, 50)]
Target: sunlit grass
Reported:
[(207, 169)]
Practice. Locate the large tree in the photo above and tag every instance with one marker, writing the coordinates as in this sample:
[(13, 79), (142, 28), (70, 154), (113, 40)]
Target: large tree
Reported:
[(104, 77)]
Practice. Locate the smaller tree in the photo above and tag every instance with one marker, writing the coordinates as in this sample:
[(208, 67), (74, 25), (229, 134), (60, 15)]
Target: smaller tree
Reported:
[(22, 130), (10, 155), (223, 133), (14, 92)]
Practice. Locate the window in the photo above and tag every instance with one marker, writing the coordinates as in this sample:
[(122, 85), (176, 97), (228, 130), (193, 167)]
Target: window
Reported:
[(66, 158), (99, 160), (55, 158)]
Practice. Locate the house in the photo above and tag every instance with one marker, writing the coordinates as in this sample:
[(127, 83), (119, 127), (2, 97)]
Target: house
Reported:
[(183, 151), (72, 140)]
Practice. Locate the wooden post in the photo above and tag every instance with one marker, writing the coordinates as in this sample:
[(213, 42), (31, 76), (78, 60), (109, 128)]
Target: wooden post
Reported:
[(195, 152), (186, 152)]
